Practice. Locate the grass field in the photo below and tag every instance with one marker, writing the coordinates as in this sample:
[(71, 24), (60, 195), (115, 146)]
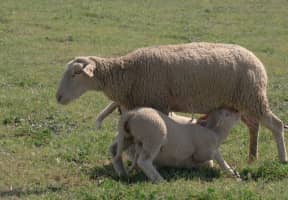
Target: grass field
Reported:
[(49, 151)]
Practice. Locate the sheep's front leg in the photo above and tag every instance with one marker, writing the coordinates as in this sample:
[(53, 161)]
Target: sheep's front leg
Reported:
[(223, 164), (117, 161), (104, 113), (145, 162)]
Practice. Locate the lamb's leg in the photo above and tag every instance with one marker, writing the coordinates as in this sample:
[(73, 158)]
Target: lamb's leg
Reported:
[(253, 127), (117, 161), (223, 164), (104, 113), (145, 162), (135, 156), (275, 125)]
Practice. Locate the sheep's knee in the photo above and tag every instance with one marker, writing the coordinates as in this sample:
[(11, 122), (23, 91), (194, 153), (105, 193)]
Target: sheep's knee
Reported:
[(275, 125)]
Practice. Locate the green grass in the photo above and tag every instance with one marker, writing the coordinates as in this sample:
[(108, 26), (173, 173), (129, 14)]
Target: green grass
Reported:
[(48, 151)]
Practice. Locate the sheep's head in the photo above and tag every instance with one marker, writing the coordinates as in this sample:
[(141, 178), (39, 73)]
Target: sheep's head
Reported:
[(77, 79), (225, 118)]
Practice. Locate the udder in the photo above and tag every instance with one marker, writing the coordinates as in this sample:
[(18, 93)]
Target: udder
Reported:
[(202, 156), (184, 104)]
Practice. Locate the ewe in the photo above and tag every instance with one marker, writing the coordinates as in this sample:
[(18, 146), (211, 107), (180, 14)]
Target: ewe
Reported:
[(195, 77)]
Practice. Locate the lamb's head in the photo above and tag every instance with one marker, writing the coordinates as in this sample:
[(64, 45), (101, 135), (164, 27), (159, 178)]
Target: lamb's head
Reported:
[(224, 118), (77, 79)]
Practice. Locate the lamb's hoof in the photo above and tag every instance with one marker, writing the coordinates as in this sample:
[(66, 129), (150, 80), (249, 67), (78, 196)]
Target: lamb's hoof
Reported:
[(238, 179), (122, 174), (210, 164), (237, 176)]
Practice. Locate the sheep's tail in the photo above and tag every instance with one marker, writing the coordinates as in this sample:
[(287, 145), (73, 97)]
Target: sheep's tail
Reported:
[(123, 131), (286, 126)]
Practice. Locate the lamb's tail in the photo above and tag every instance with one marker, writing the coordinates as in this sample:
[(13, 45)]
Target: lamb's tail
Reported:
[(286, 126), (123, 131)]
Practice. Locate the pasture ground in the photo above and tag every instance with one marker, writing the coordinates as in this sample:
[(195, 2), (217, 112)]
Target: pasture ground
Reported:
[(49, 151)]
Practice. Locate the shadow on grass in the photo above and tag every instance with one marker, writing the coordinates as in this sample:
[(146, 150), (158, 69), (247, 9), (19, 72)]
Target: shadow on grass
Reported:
[(20, 192), (170, 174), (268, 171)]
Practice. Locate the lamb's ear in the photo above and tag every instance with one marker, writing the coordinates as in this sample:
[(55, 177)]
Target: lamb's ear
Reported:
[(89, 69)]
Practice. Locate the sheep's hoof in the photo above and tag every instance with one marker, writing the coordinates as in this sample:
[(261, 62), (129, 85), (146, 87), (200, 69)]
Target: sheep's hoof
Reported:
[(284, 162), (158, 180), (252, 159), (98, 125)]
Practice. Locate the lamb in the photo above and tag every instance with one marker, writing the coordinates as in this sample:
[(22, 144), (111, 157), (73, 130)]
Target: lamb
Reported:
[(161, 140), (183, 78)]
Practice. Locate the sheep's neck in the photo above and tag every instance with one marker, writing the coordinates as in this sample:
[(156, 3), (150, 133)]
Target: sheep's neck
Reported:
[(112, 76)]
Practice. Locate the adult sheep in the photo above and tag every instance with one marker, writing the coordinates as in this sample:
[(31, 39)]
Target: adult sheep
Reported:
[(195, 77)]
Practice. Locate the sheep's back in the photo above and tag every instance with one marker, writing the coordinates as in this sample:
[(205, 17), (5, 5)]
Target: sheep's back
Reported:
[(197, 77)]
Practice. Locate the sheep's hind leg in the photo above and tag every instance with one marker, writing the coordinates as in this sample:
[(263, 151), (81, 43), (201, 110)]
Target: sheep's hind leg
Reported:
[(253, 127), (275, 125), (145, 162)]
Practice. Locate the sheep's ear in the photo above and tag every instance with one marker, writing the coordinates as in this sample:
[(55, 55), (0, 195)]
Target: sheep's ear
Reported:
[(89, 69), (77, 68)]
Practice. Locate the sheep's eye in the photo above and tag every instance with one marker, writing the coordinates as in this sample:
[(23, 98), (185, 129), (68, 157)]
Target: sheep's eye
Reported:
[(76, 73)]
